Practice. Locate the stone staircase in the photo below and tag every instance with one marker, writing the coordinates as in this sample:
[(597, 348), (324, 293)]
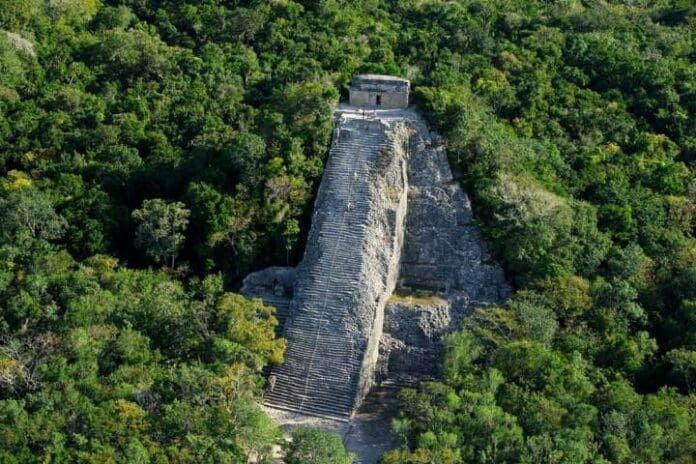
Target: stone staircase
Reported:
[(342, 277)]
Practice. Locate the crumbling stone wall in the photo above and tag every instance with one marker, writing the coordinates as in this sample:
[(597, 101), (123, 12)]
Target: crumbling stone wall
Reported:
[(446, 269)]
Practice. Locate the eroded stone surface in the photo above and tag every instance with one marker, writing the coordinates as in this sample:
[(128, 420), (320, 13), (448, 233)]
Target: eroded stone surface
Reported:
[(446, 268), (275, 286), (409, 349)]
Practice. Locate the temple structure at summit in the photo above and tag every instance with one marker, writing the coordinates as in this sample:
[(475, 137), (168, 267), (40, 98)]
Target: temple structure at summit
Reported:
[(379, 91)]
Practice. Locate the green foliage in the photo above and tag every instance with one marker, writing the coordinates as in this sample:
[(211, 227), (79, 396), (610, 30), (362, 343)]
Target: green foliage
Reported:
[(313, 446), (160, 229), (126, 366), (571, 123), (574, 136), (29, 214)]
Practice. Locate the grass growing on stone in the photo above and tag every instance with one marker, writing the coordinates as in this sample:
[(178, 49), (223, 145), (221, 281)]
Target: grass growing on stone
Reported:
[(409, 299)]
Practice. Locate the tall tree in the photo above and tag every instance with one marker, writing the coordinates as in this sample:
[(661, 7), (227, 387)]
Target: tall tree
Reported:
[(161, 229), (29, 212), (313, 446)]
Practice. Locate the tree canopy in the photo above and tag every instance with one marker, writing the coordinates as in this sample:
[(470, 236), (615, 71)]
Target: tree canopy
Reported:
[(153, 153)]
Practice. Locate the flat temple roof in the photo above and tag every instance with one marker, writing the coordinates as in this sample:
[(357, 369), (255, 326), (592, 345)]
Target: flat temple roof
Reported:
[(379, 77)]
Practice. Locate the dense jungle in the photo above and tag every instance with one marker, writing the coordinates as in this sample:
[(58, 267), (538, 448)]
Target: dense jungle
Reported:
[(152, 153)]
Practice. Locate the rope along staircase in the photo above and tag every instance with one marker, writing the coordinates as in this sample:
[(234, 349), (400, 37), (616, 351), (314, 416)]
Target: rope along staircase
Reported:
[(322, 368)]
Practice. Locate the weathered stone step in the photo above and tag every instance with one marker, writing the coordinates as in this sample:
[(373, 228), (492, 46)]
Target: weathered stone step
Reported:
[(301, 397), (319, 411), (301, 390), (311, 401)]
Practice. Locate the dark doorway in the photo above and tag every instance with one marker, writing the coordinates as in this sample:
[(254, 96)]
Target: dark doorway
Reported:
[(378, 100)]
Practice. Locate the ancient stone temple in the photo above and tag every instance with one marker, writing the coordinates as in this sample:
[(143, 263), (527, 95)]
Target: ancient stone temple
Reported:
[(393, 261), (379, 91)]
